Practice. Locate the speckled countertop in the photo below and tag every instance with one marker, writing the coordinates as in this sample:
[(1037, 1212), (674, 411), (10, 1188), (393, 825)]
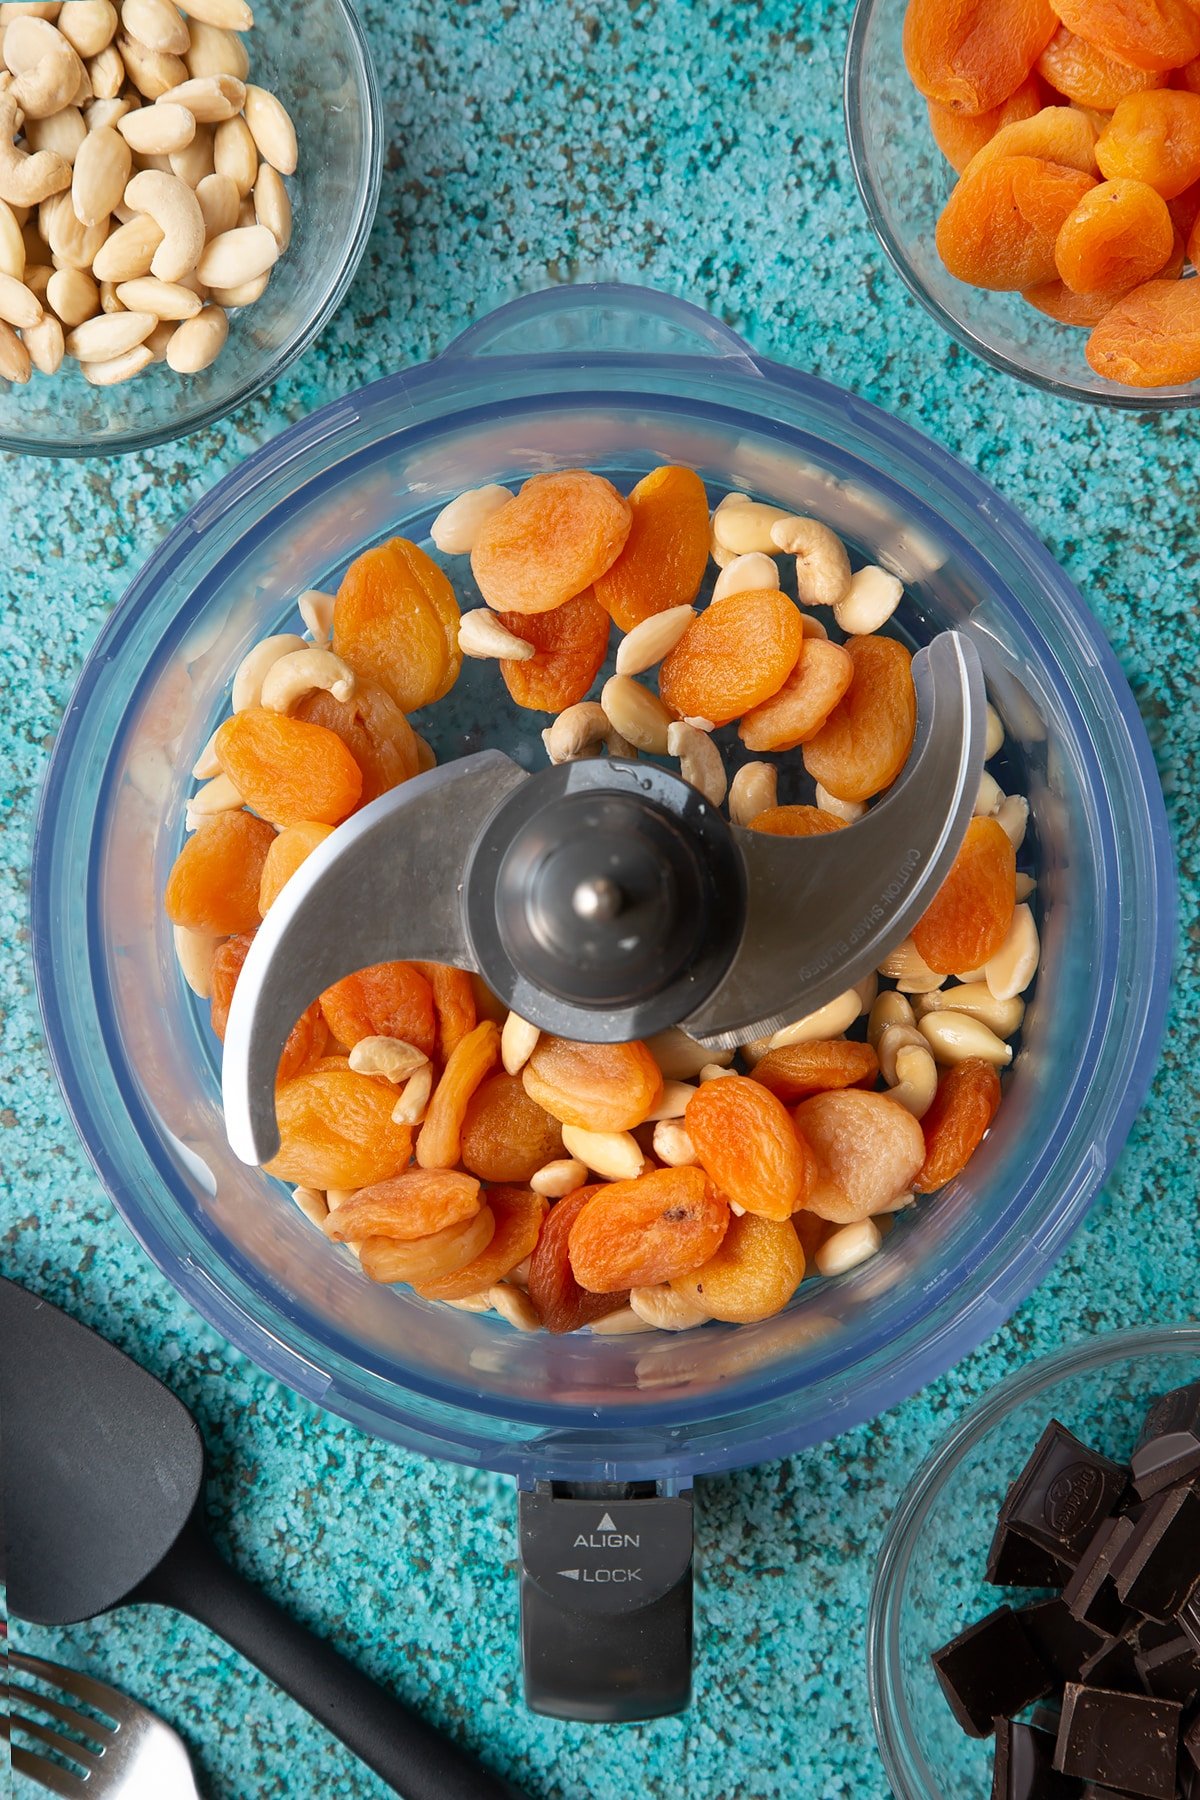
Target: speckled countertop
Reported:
[(699, 146)]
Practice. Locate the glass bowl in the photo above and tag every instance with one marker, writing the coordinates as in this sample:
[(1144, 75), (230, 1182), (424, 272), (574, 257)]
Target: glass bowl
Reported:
[(905, 182), (929, 1584), (616, 379), (316, 59)]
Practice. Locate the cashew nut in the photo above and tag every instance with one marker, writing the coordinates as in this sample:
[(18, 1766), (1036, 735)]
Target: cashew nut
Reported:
[(292, 676), (743, 525), (754, 790), (665, 1310), (822, 566), (829, 1021), (976, 999), (174, 208), (481, 635), (699, 760), (410, 1107), (955, 1036), (518, 1040), (908, 969), (316, 609), (563, 1176), (390, 1057), (252, 670), (889, 1008), (25, 180), (579, 732), (750, 571), (869, 601), (194, 951), (673, 1102), (51, 82), (639, 716), (672, 1145)]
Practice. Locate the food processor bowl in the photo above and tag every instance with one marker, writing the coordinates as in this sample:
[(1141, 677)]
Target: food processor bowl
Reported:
[(619, 380)]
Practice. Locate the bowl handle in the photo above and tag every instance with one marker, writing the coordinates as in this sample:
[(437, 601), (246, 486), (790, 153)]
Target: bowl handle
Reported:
[(606, 1599), (597, 319)]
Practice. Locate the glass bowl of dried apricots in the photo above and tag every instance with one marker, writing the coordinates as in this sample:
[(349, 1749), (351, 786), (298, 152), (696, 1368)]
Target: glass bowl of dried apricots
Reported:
[(1033, 172), (581, 1259)]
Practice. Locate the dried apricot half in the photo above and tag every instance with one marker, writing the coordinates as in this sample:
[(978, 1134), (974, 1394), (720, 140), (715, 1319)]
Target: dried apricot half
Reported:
[(395, 621), (412, 1205), (308, 1036), (561, 1303), (960, 136), (1118, 236), (1085, 74), (1157, 35), (555, 538), (643, 1232), (387, 1000), (796, 1070), (972, 54), (868, 1151), (796, 821), (293, 846), (597, 1087), (1150, 337), (215, 880), (753, 1273), (749, 1146), (666, 552), (570, 642), (733, 656), (963, 1108), (797, 712), (287, 770), (1001, 223), (506, 1136), (1056, 134), (968, 919), (865, 741), (426, 1259), (518, 1214), (1154, 138), (453, 1004), (439, 1142), (373, 729), (336, 1129)]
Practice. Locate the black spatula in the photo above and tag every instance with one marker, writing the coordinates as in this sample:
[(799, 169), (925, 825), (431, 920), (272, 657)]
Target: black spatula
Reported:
[(102, 1502)]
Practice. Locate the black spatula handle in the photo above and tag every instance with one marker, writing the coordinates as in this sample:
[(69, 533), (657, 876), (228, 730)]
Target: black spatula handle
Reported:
[(409, 1754)]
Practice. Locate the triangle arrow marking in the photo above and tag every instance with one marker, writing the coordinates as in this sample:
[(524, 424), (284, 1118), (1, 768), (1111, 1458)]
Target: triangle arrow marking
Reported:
[(571, 1574), (606, 1523)]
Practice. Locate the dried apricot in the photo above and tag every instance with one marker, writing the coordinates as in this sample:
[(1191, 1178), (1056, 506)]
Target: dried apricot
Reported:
[(865, 741), (968, 919), (1085, 74), (287, 770), (1157, 35), (868, 1150), (972, 54), (962, 1110), (666, 552), (999, 226), (561, 1303), (821, 676), (733, 656), (749, 1146), (336, 1129), (796, 1070), (571, 644), (1151, 337), (643, 1232), (432, 1258), (1154, 138), (1055, 299), (1118, 236), (294, 845), (453, 1004), (753, 1273), (214, 881), (387, 1000), (597, 1087), (308, 1036), (506, 1136), (1057, 134), (373, 729), (960, 136), (549, 543), (439, 1141), (518, 1214), (412, 1205), (796, 821), (395, 621)]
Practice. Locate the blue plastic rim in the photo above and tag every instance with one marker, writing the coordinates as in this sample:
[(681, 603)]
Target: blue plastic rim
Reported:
[(619, 379)]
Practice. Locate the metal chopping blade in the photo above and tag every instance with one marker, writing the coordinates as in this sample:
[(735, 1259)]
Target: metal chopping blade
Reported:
[(604, 900)]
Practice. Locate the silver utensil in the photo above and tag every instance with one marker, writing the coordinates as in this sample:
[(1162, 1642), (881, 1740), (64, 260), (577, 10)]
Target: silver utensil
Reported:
[(128, 1754)]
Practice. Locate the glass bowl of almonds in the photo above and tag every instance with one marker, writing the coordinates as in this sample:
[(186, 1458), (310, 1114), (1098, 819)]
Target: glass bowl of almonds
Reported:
[(212, 656), (185, 194)]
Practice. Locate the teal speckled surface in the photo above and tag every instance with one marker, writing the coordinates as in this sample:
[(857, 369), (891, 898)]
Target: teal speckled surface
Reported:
[(699, 146)]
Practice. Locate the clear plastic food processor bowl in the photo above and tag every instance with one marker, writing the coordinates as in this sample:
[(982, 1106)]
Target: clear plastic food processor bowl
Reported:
[(618, 380)]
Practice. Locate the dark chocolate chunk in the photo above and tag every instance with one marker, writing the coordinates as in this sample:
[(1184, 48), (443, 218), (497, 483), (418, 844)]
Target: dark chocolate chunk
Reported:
[(1125, 1741), (1063, 1494), (1188, 1618), (1113, 1666), (1090, 1595), (1161, 1564), (1168, 1449), (1170, 1670), (990, 1671), (1190, 1745), (1015, 1562), (1024, 1767), (1063, 1642)]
